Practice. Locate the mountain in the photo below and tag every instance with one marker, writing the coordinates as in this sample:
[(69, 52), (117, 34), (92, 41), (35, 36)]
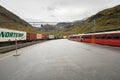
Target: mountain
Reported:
[(11, 21)]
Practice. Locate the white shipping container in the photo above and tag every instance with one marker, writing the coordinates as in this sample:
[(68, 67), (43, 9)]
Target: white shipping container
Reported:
[(64, 37), (11, 35), (51, 36), (39, 36)]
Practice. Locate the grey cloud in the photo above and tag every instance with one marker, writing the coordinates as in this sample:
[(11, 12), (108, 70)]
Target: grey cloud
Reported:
[(50, 8)]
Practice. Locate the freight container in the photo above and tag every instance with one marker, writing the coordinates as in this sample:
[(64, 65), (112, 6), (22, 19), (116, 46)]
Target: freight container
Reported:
[(39, 36), (43, 36), (11, 35), (49, 37), (31, 37)]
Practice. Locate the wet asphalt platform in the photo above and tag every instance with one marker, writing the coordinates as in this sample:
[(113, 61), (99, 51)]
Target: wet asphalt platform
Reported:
[(62, 60)]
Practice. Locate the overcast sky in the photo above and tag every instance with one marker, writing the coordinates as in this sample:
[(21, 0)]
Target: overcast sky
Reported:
[(56, 10)]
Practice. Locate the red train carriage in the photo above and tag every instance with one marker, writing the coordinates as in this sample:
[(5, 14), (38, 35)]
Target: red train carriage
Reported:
[(107, 38), (75, 37), (87, 38), (31, 37)]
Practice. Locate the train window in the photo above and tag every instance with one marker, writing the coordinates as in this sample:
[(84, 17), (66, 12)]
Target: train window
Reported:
[(84, 36), (77, 36), (100, 37), (97, 36), (103, 36), (87, 36), (109, 36), (116, 36)]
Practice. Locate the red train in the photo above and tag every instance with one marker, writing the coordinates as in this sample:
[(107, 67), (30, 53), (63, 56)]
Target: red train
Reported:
[(106, 38)]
